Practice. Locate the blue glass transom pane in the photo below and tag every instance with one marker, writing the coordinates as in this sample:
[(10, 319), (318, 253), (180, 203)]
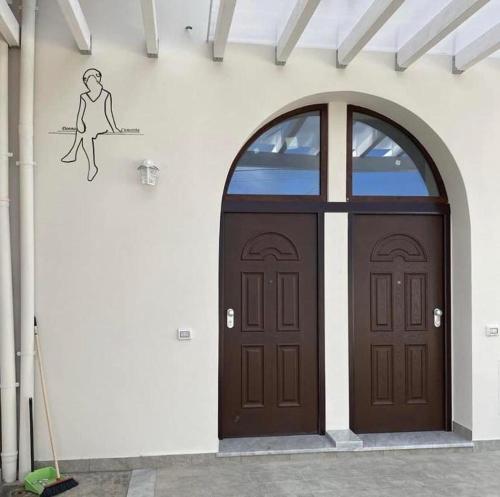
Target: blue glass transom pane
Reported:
[(284, 160), (386, 162)]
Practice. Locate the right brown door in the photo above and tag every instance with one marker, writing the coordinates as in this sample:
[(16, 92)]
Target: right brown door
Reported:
[(397, 334)]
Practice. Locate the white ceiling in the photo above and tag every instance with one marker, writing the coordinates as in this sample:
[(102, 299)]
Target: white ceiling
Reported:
[(261, 22)]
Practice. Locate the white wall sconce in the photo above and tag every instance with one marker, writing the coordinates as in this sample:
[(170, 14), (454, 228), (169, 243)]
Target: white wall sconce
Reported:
[(148, 172)]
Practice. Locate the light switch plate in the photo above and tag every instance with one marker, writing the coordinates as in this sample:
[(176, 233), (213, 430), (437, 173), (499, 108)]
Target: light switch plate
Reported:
[(492, 330), (184, 334)]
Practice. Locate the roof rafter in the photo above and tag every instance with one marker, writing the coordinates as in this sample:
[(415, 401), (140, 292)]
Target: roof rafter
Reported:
[(441, 25), (77, 23), (363, 31), (150, 21), (224, 20), (294, 127), (378, 139), (9, 27), (478, 50), (297, 22)]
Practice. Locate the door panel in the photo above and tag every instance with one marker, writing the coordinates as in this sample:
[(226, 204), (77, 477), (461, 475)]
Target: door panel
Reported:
[(397, 354), (270, 356), (252, 376), (252, 301)]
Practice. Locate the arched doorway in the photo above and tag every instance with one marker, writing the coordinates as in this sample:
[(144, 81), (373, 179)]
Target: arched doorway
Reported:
[(271, 363), (399, 306), (271, 353)]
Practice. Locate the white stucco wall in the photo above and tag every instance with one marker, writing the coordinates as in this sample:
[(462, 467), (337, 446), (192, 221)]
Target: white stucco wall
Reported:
[(336, 322), (120, 266)]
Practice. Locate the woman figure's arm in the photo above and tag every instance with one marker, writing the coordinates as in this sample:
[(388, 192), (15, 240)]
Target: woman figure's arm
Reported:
[(80, 125), (108, 110)]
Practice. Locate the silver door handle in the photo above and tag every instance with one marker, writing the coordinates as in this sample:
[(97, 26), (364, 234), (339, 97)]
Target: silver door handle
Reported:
[(230, 318), (437, 317)]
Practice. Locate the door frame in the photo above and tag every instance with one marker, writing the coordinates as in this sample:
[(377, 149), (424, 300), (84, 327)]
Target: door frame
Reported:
[(320, 309), (447, 421), (353, 205)]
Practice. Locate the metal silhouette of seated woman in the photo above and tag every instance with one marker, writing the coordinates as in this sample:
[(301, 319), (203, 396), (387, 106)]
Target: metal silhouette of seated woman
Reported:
[(95, 117)]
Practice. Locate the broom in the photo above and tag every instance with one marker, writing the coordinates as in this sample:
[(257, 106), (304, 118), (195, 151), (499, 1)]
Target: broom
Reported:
[(46, 482)]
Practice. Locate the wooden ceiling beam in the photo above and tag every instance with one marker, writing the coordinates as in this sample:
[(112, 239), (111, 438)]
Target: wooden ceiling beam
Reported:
[(440, 26), (150, 21), (77, 23), (365, 29), (295, 26), (222, 27), (9, 27), (479, 49)]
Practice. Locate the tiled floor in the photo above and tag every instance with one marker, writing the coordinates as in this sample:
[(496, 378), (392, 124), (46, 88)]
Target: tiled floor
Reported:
[(348, 475), (110, 484), (438, 473)]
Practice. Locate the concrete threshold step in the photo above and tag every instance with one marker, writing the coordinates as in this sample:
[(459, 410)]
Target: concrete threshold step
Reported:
[(340, 441)]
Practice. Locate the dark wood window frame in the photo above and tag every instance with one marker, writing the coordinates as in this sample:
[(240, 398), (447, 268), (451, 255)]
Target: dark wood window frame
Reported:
[(442, 198), (323, 159)]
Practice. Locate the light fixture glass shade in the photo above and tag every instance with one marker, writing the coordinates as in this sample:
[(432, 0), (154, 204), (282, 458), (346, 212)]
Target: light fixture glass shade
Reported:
[(148, 173)]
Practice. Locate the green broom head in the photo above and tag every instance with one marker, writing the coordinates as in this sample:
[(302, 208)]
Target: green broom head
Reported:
[(44, 482)]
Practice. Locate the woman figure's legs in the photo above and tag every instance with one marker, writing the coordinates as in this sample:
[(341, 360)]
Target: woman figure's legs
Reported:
[(72, 154), (88, 148)]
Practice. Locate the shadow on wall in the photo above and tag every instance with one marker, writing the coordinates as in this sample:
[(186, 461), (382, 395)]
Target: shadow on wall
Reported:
[(461, 291)]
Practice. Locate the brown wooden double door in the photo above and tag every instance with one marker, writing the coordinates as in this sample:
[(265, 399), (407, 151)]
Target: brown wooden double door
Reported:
[(397, 348), (270, 344)]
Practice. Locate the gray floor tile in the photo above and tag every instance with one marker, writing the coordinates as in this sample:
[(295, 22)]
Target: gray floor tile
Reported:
[(101, 484), (142, 483), (394, 474)]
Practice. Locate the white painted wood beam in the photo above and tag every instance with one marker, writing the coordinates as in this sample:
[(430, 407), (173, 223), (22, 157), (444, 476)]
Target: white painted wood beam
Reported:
[(478, 50), (297, 22), (9, 27), (150, 21), (77, 23), (365, 29), (222, 27), (446, 21)]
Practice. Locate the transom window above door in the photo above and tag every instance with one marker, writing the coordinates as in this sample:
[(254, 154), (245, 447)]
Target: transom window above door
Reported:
[(283, 159), (387, 161)]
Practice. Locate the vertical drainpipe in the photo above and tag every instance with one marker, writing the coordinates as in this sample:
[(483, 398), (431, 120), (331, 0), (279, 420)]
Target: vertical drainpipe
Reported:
[(26, 227), (7, 342)]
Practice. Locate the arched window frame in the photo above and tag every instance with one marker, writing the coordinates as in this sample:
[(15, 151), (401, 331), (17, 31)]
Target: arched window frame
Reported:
[(442, 198), (323, 158)]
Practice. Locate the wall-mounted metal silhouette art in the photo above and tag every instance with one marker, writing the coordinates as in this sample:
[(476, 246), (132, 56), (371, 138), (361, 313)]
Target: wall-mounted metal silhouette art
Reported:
[(95, 117)]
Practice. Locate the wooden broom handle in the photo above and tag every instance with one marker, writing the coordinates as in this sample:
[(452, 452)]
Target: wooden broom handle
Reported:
[(46, 404)]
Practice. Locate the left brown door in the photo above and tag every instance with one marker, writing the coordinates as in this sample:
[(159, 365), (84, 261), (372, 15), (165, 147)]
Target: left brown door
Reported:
[(269, 383)]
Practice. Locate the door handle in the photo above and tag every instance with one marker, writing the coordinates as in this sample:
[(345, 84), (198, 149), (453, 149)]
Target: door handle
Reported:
[(437, 317), (230, 318)]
